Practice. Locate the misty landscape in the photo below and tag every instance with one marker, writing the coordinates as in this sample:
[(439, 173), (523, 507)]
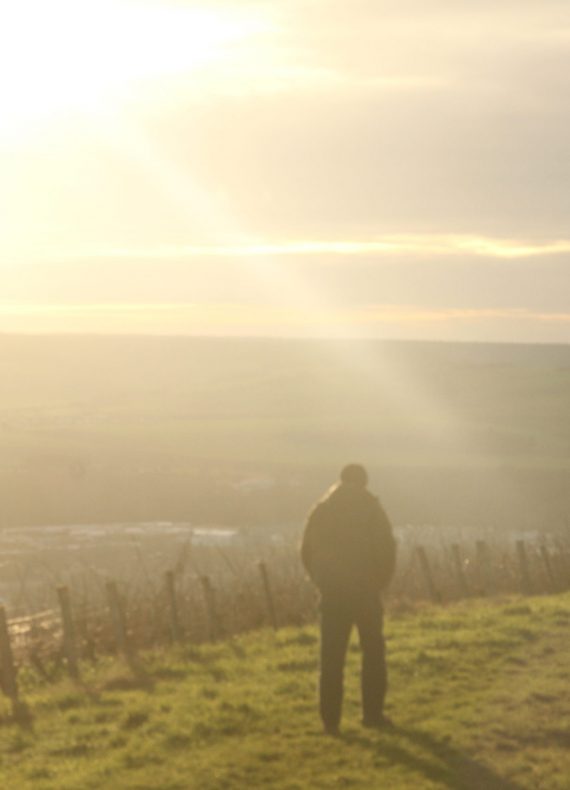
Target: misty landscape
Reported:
[(126, 457), (248, 432), (284, 395), (461, 440)]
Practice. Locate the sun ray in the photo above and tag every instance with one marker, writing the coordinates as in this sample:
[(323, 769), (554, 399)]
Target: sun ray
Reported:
[(58, 71)]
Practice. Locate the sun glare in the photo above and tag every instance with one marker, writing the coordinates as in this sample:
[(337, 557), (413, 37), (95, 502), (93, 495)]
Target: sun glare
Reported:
[(68, 55)]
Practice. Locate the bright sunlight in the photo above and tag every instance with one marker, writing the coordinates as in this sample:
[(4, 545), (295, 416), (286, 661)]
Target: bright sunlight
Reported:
[(69, 56)]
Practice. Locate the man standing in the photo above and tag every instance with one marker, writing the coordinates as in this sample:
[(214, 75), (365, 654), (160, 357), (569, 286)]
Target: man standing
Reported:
[(349, 552)]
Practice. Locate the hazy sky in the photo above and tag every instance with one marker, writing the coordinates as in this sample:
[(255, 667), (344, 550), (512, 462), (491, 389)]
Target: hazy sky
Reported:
[(294, 167)]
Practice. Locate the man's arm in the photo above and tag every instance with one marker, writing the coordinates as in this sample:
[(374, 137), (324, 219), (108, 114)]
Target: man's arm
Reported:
[(386, 547), (309, 545)]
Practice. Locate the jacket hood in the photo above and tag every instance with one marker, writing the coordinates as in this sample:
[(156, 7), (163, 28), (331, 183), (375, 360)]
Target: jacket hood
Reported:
[(345, 492)]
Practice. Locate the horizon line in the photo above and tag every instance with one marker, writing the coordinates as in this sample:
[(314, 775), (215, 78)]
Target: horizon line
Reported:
[(103, 335)]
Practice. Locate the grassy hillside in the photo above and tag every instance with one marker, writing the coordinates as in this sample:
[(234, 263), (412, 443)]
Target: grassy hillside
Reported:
[(479, 696), (166, 428)]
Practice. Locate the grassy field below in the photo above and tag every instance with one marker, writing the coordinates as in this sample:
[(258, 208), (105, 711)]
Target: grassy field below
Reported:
[(479, 696)]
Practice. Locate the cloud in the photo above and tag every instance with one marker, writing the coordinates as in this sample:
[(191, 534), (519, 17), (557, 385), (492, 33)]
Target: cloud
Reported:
[(380, 320), (404, 244), (359, 119), (417, 315), (346, 155), (430, 275)]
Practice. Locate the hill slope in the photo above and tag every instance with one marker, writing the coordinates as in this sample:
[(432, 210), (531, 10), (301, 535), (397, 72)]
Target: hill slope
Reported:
[(479, 696)]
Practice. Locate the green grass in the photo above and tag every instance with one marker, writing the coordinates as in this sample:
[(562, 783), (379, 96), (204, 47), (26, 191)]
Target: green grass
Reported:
[(479, 697)]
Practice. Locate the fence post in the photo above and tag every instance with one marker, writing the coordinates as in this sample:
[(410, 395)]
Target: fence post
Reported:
[(118, 618), (86, 641), (463, 586), (69, 640), (526, 585), (214, 622), (268, 594), (552, 585), (424, 562), (172, 606), (7, 668), (484, 563), (561, 568)]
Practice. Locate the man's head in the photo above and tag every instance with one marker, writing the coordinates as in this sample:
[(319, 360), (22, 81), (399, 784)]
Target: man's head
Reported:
[(355, 475)]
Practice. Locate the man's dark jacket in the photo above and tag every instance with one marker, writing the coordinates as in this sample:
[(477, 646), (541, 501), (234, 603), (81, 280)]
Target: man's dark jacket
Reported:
[(348, 547)]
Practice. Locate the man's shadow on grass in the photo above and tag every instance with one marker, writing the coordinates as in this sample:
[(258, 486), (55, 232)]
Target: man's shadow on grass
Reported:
[(440, 762)]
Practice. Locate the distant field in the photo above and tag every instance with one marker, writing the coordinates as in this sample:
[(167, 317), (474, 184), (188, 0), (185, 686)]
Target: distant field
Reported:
[(249, 431), (479, 697)]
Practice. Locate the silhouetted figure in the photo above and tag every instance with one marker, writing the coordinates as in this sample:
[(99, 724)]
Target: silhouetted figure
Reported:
[(349, 552)]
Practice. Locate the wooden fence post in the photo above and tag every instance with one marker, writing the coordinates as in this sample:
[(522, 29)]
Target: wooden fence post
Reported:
[(7, 669), (118, 619), (458, 562), (484, 563), (69, 640), (172, 606), (268, 594), (424, 562), (214, 622), (526, 585), (561, 568)]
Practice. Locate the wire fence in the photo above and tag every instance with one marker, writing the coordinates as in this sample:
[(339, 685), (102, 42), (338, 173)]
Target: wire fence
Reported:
[(211, 593)]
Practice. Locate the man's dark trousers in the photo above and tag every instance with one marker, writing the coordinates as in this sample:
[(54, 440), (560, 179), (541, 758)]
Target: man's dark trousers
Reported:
[(338, 615)]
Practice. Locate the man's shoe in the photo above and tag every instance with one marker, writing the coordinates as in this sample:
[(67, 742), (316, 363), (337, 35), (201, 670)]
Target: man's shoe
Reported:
[(378, 723), (332, 730)]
